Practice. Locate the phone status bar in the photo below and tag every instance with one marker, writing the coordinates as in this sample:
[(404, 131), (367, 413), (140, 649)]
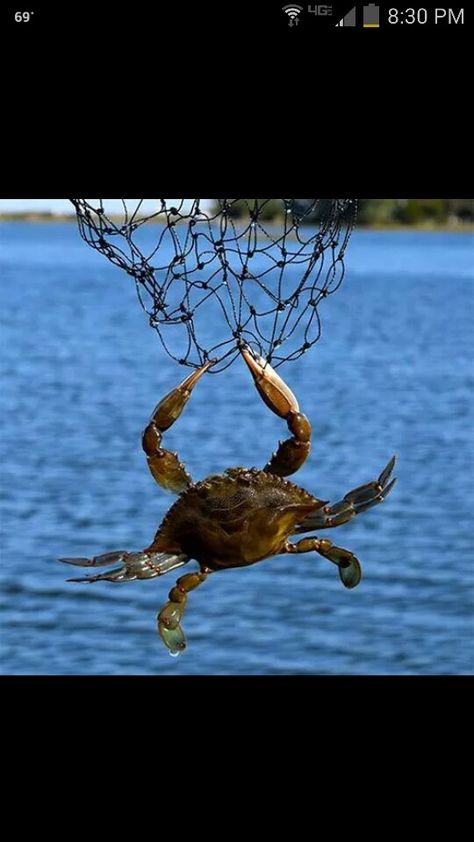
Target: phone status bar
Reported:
[(370, 16)]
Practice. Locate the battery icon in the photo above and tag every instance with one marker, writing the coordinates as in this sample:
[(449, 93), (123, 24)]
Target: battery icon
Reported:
[(371, 16)]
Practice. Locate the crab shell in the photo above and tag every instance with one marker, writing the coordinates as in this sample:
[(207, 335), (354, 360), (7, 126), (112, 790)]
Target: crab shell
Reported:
[(234, 519)]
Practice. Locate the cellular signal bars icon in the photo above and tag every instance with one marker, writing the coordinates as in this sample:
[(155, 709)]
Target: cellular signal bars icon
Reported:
[(371, 16), (349, 19), (293, 13)]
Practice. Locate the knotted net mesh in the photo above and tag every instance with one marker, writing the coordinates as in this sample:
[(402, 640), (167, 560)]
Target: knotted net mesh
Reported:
[(212, 274)]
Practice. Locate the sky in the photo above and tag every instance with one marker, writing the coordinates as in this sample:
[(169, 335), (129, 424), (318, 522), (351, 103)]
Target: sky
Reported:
[(63, 205)]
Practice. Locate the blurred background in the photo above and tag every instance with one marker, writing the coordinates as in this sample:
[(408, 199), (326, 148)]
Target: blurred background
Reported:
[(426, 213), (392, 373)]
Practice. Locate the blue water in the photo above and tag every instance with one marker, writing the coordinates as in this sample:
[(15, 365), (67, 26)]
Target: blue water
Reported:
[(393, 373)]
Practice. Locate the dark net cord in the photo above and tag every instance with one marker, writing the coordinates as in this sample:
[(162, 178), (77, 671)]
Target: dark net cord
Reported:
[(213, 276)]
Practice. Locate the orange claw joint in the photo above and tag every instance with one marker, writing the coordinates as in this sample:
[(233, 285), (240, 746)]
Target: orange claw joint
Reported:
[(280, 399)]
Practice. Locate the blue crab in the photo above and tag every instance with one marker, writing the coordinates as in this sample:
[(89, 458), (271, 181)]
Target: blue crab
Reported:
[(237, 518)]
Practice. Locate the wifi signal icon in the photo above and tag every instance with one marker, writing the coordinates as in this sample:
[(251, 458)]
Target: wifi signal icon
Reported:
[(292, 11)]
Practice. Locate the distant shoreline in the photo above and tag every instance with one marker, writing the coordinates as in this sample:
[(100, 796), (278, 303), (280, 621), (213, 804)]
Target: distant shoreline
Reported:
[(51, 218)]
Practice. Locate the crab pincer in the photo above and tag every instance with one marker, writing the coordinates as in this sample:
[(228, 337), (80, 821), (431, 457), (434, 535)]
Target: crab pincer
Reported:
[(165, 466), (277, 395)]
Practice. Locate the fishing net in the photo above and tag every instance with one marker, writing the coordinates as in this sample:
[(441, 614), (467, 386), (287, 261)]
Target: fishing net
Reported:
[(212, 274)]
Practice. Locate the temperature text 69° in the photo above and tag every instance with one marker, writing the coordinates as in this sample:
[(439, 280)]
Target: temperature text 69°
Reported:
[(23, 17)]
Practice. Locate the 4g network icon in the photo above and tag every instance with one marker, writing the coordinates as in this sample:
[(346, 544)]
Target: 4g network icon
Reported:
[(293, 11)]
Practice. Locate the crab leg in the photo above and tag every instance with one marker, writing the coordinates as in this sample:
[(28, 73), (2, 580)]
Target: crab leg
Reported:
[(350, 572), (165, 466), (274, 392), (356, 501), (171, 614), (134, 565)]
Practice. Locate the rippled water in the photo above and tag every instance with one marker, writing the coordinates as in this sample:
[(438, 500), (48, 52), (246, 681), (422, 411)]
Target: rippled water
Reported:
[(393, 373)]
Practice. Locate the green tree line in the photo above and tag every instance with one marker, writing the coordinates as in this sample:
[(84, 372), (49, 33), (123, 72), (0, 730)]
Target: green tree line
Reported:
[(415, 211), (374, 211)]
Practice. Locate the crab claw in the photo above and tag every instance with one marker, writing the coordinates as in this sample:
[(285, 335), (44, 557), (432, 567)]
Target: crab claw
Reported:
[(271, 388), (274, 392), (172, 405)]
